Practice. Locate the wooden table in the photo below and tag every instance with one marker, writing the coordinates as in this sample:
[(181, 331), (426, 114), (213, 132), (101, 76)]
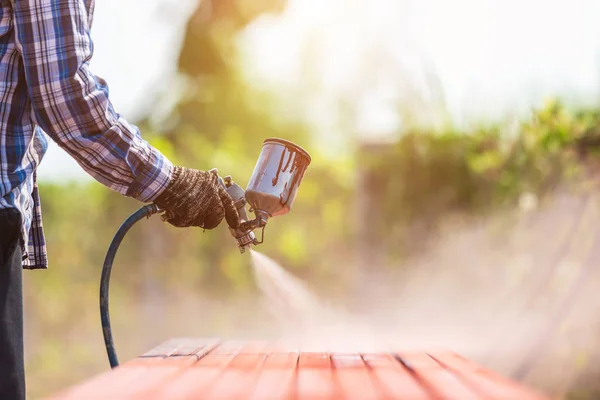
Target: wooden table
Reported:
[(209, 369)]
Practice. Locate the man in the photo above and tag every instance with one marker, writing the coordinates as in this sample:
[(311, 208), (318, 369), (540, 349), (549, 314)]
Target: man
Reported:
[(46, 86)]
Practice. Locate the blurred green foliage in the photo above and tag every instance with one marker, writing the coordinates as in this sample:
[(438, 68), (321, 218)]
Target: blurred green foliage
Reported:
[(221, 122), (428, 175)]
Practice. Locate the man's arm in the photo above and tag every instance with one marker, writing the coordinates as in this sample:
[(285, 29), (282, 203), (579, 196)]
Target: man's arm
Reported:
[(72, 105)]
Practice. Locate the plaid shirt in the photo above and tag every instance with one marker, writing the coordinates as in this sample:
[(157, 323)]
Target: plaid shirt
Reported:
[(47, 89)]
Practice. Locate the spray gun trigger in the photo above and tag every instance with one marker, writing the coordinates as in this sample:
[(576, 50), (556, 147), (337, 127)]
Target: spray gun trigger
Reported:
[(262, 236)]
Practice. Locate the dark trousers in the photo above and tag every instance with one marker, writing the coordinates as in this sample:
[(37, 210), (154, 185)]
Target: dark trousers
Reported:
[(12, 371)]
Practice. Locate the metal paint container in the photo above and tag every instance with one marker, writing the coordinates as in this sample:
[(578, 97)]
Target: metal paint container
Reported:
[(277, 175)]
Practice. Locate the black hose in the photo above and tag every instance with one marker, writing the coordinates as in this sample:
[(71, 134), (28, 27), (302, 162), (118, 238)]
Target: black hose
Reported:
[(144, 212)]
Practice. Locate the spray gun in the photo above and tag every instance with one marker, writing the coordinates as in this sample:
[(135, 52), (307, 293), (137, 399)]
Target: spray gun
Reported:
[(271, 192)]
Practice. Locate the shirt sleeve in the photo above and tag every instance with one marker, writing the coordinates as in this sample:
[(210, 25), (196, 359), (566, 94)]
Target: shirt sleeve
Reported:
[(72, 105)]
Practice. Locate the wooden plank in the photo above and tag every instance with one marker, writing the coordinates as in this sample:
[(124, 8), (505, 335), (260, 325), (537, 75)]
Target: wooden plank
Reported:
[(188, 347), (181, 347), (487, 383), (163, 349), (440, 382), (314, 377), (237, 380), (354, 378), (104, 386), (144, 362), (395, 381), (192, 382), (277, 377), (156, 377)]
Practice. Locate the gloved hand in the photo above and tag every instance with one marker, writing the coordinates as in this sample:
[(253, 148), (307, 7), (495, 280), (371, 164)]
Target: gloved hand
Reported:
[(196, 198)]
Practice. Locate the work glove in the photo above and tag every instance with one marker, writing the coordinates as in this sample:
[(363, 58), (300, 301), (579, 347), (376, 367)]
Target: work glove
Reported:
[(196, 198)]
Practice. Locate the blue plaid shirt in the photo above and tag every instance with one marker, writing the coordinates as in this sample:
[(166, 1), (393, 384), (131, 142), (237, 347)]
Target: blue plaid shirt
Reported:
[(47, 89)]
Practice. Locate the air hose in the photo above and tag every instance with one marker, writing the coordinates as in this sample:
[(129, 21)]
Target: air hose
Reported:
[(144, 212)]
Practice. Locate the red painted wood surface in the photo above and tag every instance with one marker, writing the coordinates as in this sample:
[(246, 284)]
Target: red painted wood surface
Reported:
[(189, 369)]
